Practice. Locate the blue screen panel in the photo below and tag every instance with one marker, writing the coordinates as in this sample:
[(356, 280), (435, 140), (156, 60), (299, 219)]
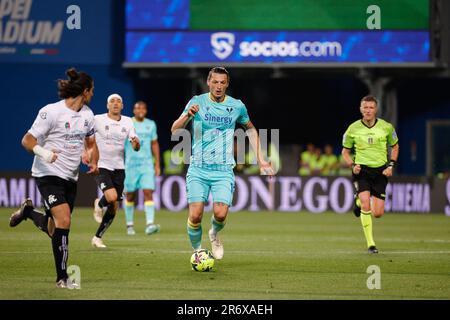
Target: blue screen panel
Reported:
[(157, 14), (279, 47)]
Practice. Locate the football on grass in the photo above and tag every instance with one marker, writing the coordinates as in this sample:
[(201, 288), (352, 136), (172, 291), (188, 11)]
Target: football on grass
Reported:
[(202, 260)]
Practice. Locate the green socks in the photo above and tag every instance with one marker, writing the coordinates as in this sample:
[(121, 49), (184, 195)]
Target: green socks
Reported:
[(366, 221), (217, 225), (194, 231)]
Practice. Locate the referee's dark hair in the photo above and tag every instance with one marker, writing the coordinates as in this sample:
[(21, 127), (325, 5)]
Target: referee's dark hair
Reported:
[(369, 98), (75, 85), (220, 70)]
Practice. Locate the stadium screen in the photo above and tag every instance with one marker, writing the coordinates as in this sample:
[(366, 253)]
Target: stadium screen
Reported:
[(311, 32)]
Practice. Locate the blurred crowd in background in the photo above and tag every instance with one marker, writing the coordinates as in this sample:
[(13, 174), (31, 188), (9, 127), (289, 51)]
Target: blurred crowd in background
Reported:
[(311, 161)]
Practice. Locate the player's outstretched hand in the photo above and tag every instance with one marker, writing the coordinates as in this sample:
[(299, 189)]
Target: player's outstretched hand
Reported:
[(266, 169), (85, 158), (357, 169), (388, 171), (93, 169), (135, 143), (193, 110), (55, 155)]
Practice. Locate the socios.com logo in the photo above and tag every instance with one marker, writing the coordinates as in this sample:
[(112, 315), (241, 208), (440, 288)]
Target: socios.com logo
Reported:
[(222, 43)]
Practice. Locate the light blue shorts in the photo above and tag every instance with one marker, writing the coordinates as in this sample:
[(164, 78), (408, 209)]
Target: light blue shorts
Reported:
[(200, 181), (136, 179)]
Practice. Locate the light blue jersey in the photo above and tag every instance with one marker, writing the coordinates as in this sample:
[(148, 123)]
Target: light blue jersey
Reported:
[(139, 168), (213, 130), (212, 160), (146, 131)]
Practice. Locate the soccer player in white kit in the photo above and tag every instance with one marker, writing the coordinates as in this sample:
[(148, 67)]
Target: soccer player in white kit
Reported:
[(57, 138), (111, 132)]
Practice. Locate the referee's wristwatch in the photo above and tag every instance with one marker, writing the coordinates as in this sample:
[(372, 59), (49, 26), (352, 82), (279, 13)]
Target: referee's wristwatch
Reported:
[(392, 164)]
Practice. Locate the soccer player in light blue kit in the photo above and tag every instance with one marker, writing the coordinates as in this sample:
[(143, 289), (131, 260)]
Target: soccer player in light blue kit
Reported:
[(214, 116), (141, 168)]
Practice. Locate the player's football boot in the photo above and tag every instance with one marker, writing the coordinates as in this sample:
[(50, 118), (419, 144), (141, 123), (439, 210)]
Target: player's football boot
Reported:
[(21, 214), (372, 249), (98, 212), (130, 231), (356, 206), (216, 245), (152, 228), (67, 284), (97, 242)]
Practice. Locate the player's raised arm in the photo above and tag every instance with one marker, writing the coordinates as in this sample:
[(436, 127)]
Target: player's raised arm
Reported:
[(185, 117)]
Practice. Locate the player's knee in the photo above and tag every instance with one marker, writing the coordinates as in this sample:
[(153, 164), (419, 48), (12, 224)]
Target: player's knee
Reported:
[(378, 213), (220, 212), (365, 205), (130, 197), (63, 222), (148, 195), (195, 219), (220, 215), (111, 197)]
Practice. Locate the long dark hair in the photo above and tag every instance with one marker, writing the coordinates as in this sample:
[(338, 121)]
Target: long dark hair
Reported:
[(75, 85)]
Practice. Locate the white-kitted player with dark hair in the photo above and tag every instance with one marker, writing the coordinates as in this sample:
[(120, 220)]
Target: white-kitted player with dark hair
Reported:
[(112, 130), (58, 137)]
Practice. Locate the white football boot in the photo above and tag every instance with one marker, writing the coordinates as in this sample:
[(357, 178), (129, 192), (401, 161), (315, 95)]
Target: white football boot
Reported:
[(130, 231), (98, 212), (216, 245), (97, 242), (67, 284)]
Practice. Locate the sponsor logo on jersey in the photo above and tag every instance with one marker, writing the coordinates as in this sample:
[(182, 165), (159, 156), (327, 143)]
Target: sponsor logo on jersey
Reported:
[(102, 185), (217, 119)]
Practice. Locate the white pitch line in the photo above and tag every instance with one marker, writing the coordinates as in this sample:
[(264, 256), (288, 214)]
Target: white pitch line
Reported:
[(239, 252)]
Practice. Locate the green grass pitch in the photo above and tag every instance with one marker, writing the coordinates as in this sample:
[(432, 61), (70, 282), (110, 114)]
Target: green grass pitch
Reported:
[(268, 255)]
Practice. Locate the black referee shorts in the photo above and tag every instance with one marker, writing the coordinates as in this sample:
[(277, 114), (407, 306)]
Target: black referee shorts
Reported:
[(372, 180), (107, 179), (55, 191)]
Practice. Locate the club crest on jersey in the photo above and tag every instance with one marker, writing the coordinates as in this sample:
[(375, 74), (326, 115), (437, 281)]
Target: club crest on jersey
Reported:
[(43, 115), (207, 108), (67, 125), (124, 130), (52, 199), (229, 110), (86, 123), (106, 128)]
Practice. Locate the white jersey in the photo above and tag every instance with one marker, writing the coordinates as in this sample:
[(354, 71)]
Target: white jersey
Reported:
[(111, 136), (60, 128)]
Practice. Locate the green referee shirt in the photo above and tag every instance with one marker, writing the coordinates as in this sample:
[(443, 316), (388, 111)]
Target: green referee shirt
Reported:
[(370, 144)]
